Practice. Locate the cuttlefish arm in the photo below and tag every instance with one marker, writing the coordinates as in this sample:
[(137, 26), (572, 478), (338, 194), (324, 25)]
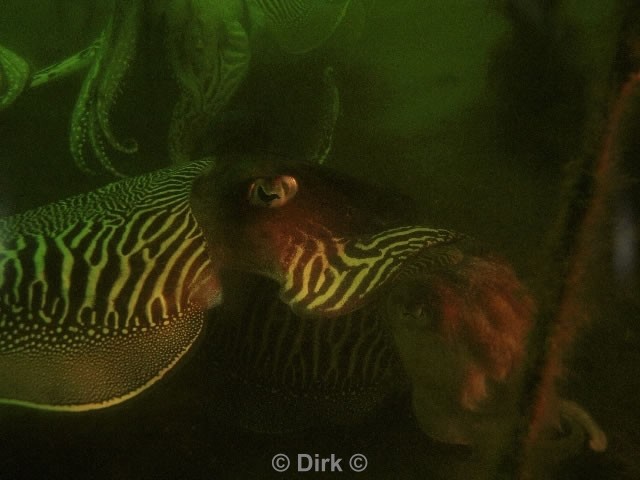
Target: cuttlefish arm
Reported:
[(91, 131), (15, 72), (208, 50), (461, 323), (101, 294), (14, 76), (208, 53)]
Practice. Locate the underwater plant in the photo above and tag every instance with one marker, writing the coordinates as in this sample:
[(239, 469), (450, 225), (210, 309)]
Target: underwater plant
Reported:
[(583, 241)]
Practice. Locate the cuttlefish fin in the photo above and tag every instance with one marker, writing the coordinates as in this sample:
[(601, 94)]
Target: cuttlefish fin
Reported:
[(99, 373), (102, 294)]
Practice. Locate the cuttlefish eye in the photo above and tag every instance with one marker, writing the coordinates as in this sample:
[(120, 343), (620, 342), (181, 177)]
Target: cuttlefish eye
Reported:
[(272, 192)]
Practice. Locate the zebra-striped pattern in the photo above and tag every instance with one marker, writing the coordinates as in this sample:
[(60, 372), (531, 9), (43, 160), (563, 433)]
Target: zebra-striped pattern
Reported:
[(335, 277), (285, 371), (300, 25), (82, 277), (284, 12), (130, 259)]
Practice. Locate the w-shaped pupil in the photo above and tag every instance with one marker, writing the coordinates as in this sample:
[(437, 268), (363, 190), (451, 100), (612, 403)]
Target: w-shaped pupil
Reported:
[(265, 197)]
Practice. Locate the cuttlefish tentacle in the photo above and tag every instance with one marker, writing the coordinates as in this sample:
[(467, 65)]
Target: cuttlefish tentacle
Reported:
[(124, 30), (90, 120), (470, 316), (68, 66), (15, 71), (14, 76), (208, 52), (103, 293), (323, 143)]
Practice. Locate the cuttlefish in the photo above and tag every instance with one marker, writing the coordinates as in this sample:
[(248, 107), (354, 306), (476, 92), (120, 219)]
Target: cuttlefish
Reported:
[(102, 294), (207, 47), (451, 332)]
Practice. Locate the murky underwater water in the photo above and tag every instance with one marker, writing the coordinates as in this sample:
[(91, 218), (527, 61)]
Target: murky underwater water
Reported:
[(474, 111)]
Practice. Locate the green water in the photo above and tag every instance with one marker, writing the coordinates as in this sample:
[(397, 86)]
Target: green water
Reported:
[(475, 113)]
